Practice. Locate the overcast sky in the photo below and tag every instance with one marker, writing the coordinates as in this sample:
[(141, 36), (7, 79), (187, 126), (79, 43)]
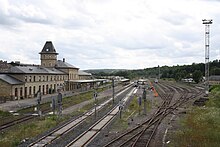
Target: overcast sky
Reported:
[(122, 34)]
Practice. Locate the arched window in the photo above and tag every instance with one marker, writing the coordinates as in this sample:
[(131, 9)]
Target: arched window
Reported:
[(34, 90), (16, 93), (30, 91), (21, 93), (43, 90)]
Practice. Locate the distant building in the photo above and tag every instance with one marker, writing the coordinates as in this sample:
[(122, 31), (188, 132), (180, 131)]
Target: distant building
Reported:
[(18, 81)]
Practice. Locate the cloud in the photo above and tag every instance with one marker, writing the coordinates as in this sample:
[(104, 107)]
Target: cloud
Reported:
[(175, 17), (109, 34)]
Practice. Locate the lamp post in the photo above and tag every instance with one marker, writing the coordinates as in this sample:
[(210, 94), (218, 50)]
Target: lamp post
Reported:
[(207, 25)]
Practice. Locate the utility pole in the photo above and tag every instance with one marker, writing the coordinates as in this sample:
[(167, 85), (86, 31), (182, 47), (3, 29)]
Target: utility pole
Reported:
[(120, 109), (159, 72), (95, 102), (38, 103), (113, 91), (207, 26), (59, 102), (144, 97), (139, 104)]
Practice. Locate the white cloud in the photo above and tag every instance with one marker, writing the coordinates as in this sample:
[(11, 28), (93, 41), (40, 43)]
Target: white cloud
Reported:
[(109, 34)]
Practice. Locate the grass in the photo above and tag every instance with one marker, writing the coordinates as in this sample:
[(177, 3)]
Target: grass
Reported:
[(6, 117), (14, 136), (67, 101), (4, 114), (201, 126)]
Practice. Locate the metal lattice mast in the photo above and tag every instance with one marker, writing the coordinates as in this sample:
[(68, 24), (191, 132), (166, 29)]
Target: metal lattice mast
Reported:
[(207, 27)]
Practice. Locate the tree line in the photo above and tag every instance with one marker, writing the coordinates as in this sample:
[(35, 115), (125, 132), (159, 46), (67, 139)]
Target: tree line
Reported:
[(195, 71)]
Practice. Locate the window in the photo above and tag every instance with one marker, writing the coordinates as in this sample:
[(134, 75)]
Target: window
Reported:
[(39, 78), (16, 93), (25, 92), (34, 78), (30, 78), (47, 78), (21, 92), (43, 90), (25, 78), (30, 91), (34, 90)]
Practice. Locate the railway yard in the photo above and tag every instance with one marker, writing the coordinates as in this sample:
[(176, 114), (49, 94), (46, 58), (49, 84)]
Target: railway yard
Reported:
[(125, 119)]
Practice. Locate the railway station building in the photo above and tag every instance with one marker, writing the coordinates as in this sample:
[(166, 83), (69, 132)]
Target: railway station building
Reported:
[(19, 81)]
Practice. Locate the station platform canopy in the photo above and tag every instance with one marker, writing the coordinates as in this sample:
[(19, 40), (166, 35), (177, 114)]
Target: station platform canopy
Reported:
[(87, 81), (125, 80)]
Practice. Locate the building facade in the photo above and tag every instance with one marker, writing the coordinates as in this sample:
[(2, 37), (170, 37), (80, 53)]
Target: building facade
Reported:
[(19, 81)]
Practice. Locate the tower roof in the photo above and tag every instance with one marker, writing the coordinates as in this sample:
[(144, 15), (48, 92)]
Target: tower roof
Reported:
[(48, 48)]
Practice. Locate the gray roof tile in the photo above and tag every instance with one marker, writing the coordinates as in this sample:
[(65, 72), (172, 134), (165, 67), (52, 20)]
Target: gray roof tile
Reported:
[(61, 64), (35, 70), (82, 73), (10, 79)]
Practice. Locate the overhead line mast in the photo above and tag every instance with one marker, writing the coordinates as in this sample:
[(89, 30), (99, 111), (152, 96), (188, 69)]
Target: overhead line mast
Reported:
[(207, 27)]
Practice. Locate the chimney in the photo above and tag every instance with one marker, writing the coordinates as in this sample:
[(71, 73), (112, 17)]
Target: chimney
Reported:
[(63, 59)]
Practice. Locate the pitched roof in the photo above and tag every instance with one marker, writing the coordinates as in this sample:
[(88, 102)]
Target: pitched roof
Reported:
[(62, 64), (35, 70), (48, 48), (9, 79)]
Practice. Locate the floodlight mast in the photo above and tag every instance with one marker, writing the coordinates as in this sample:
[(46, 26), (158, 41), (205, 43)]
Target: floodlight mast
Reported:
[(207, 27)]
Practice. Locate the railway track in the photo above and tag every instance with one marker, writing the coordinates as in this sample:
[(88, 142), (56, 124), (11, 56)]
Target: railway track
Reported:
[(15, 122), (61, 131), (19, 120), (93, 131), (143, 134)]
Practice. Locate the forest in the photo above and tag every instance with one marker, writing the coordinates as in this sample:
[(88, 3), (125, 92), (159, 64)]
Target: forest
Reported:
[(178, 72)]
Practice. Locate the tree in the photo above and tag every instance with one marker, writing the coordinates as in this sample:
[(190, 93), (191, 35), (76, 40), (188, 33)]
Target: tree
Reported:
[(197, 76), (215, 71)]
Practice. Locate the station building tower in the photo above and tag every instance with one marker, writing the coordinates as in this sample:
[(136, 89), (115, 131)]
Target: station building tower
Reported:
[(48, 55)]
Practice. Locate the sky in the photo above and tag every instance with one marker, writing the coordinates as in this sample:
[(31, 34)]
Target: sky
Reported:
[(110, 34)]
